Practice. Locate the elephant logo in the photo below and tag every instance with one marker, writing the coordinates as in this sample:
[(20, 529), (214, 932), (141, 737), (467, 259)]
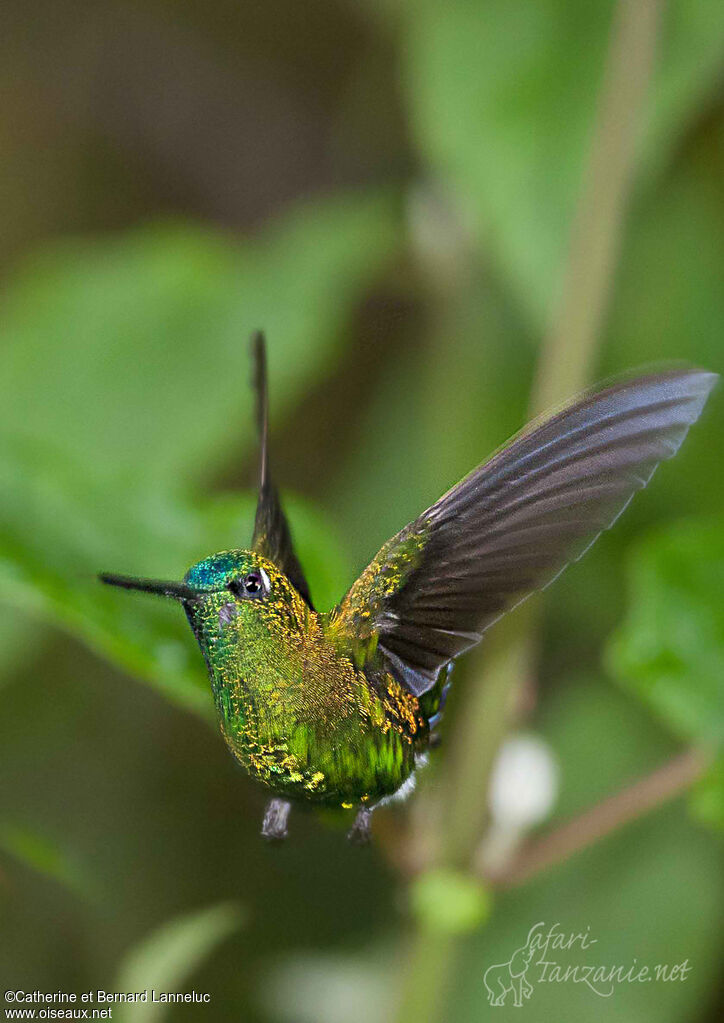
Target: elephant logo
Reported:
[(503, 978)]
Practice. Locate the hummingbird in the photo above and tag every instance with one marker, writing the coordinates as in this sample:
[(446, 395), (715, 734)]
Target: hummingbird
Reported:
[(339, 709)]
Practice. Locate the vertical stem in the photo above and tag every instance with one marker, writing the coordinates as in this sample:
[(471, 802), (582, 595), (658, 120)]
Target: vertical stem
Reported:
[(566, 362), (430, 970), (507, 660), (569, 351)]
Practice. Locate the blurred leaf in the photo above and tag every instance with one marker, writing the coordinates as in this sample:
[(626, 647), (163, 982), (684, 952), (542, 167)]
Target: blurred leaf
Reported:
[(449, 902), (131, 353), (16, 636), (126, 365), (669, 300), (408, 446), (169, 956), (502, 97), (707, 797), (43, 855), (669, 650), (59, 528)]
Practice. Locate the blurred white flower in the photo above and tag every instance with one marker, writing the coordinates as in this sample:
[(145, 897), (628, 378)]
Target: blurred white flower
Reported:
[(522, 792), (320, 988)]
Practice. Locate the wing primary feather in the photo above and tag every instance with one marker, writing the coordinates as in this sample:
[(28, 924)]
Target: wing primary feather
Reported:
[(570, 431), (512, 525)]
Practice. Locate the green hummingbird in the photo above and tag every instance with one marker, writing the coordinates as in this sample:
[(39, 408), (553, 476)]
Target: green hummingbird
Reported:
[(340, 708)]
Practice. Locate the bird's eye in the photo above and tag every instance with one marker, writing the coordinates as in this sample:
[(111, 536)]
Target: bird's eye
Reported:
[(251, 586), (252, 583)]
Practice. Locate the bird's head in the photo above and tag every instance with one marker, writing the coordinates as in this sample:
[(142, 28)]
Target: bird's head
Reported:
[(234, 597)]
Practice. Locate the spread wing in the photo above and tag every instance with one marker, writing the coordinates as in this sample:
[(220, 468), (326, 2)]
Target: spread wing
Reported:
[(272, 536), (513, 524)]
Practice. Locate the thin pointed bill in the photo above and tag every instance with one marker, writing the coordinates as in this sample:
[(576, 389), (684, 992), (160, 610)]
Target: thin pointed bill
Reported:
[(162, 587)]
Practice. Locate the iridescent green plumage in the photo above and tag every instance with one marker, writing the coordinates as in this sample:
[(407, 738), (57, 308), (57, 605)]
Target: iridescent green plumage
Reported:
[(293, 708), (338, 709)]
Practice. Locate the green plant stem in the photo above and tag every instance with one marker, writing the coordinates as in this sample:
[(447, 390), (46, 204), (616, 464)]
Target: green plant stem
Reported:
[(508, 658), (430, 969), (565, 365)]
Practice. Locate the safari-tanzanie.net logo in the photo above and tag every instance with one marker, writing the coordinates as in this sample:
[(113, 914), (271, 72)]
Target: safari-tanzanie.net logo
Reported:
[(552, 956)]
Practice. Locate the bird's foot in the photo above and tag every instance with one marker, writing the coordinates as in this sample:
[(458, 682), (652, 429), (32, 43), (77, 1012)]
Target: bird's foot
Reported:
[(361, 832), (276, 815)]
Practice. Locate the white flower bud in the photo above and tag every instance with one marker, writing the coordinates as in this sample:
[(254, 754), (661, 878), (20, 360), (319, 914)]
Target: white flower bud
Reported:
[(523, 789), (524, 782)]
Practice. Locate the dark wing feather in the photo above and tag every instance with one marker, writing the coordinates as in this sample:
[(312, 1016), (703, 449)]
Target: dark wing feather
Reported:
[(514, 523), (272, 535)]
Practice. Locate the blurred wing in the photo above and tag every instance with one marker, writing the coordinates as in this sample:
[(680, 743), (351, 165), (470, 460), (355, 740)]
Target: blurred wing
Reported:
[(514, 523), (272, 536)]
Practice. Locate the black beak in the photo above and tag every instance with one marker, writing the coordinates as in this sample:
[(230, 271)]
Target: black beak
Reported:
[(179, 591)]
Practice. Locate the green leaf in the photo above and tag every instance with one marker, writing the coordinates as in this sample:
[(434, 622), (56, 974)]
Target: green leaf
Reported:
[(131, 353), (125, 368), (59, 528), (166, 959), (43, 855), (16, 641), (707, 798), (669, 650), (669, 302), (502, 97), (471, 361)]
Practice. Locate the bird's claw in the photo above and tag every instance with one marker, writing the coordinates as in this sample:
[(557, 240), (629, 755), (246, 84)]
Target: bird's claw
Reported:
[(361, 832), (276, 815)]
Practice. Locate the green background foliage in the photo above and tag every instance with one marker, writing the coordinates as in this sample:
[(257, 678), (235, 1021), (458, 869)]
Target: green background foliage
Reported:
[(388, 190)]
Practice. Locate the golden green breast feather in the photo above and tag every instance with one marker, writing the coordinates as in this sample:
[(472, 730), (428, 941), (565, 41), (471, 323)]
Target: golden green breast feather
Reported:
[(295, 711)]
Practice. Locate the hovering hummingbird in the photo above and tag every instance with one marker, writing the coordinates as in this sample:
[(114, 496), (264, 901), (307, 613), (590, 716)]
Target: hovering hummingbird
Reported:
[(340, 708)]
